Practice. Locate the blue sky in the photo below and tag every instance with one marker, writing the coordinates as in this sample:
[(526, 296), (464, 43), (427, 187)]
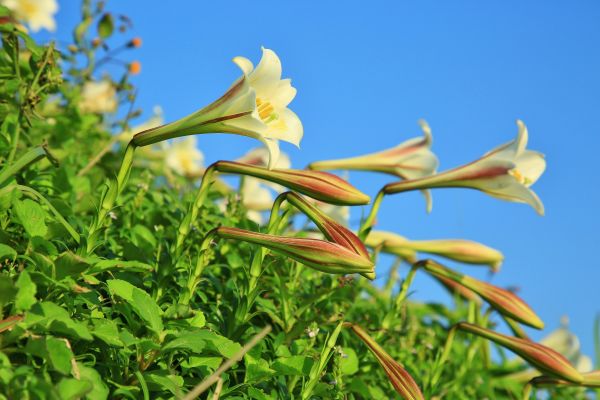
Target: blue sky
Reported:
[(366, 72)]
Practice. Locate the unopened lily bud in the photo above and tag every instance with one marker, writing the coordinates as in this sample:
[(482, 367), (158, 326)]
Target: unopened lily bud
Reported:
[(318, 254), (332, 230), (322, 186), (404, 384), (541, 357), (590, 380), (389, 242), (255, 106), (457, 288), (506, 173), (409, 160), (502, 300)]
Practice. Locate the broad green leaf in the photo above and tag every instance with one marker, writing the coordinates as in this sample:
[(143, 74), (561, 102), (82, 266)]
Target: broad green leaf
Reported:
[(70, 264), (7, 290), (60, 356), (171, 383), (257, 369), (189, 341), (294, 365), (26, 291), (107, 331), (100, 390), (218, 343), (53, 318), (140, 301), (349, 361), (73, 389), (7, 253), (32, 216), (211, 363)]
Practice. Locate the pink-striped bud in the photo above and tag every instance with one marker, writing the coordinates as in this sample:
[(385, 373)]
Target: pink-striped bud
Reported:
[(541, 357), (404, 384), (322, 186), (457, 288), (318, 254), (590, 380), (502, 300), (409, 160)]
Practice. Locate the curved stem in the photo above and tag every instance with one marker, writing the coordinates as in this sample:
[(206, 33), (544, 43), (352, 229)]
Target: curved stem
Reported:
[(110, 196), (192, 213), (367, 224), (201, 262)]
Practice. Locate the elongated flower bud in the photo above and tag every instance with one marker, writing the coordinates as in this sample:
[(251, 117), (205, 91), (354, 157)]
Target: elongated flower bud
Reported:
[(457, 288), (506, 173), (541, 357), (502, 300), (409, 160), (318, 185), (404, 384), (464, 251), (332, 230), (318, 254), (590, 380)]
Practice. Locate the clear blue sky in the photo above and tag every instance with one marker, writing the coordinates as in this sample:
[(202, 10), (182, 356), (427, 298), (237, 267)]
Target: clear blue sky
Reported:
[(366, 72)]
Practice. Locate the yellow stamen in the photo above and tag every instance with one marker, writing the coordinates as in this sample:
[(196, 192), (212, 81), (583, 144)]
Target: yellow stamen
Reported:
[(519, 177)]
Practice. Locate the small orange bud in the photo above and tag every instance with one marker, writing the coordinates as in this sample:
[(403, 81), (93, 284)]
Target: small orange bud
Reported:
[(135, 42), (135, 67), (96, 42)]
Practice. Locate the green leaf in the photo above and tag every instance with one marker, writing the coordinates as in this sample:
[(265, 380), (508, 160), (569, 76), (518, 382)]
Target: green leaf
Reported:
[(171, 383), (190, 341), (106, 26), (211, 363), (73, 389), (70, 264), (140, 301), (120, 265), (257, 369), (25, 297), (107, 331), (60, 355), (7, 290), (99, 390), (218, 343), (32, 216), (7, 253), (53, 318), (349, 362), (294, 365)]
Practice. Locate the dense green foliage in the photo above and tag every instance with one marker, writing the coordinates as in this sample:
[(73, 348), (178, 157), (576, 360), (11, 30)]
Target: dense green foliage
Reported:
[(111, 323)]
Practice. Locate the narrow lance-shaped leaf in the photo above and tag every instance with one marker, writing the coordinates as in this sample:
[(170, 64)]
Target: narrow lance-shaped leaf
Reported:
[(541, 357), (502, 300), (404, 384)]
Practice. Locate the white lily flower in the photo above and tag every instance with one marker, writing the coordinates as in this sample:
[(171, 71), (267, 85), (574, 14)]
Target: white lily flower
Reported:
[(98, 97), (506, 173), (183, 157), (155, 120), (37, 14), (411, 159), (254, 106)]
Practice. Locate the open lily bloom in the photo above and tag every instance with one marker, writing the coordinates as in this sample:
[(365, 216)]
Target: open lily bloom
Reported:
[(506, 173), (254, 106), (183, 157), (409, 160)]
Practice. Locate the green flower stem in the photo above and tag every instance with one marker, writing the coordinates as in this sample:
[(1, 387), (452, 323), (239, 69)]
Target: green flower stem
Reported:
[(439, 364), (318, 368), (110, 196), (202, 261), (192, 213), (367, 224), (405, 286)]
